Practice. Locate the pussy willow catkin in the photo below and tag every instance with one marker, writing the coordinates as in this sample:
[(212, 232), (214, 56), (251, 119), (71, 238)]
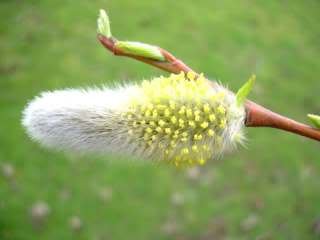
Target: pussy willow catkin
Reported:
[(176, 119)]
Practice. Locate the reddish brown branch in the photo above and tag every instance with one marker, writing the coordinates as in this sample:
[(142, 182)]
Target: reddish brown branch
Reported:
[(257, 116)]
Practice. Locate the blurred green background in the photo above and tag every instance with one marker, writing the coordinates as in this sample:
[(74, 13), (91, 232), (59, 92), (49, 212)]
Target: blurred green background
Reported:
[(269, 190)]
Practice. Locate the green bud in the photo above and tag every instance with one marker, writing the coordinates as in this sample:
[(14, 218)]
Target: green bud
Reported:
[(245, 90), (140, 49), (315, 119), (104, 24)]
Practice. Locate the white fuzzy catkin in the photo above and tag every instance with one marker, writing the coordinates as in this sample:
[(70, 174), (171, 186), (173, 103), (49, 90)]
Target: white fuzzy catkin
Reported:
[(176, 119)]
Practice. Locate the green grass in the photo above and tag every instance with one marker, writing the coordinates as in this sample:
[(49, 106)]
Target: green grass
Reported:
[(268, 191)]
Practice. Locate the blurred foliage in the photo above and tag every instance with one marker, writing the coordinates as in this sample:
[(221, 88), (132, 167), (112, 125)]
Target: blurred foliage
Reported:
[(269, 190)]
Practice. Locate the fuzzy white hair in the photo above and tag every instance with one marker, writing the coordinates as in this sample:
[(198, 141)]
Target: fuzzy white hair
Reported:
[(85, 120)]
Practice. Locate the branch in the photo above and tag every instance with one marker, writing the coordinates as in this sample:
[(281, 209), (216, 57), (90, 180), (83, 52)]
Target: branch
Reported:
[(256, 115)]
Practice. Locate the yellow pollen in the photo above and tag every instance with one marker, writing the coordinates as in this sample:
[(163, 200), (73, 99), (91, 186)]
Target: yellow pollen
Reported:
[(152, 123), (147, 113), (173, 119), (185, 151), (149, 130), (212, 117), (210, 132), (154, 114), (181, 123), (135, 124), (167, 112), (206, 108), (192, 124), (222, 124), (202, 161), (195, 148), (221, 109), (161, 123), (182, 110), (204, 125), (197, 112), (167, 131), (197, 137), (189, 112), (191, 75)]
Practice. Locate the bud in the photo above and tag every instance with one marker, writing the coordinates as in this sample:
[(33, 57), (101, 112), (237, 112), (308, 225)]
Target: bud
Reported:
[(104, 24), (315, 119), (244, 91), (174, 119), (140, 49)]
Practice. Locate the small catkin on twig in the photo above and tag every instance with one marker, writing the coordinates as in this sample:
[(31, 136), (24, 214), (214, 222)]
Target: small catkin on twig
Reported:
[(174, 119)]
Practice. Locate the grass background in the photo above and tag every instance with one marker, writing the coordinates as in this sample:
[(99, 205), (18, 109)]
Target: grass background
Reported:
[(269, 191)]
